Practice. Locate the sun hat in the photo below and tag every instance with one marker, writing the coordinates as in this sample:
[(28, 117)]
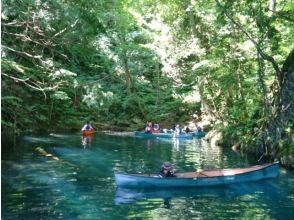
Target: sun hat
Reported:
[(167, 166)]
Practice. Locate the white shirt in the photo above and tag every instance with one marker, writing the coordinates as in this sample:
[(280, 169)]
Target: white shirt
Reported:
[(84, 128)]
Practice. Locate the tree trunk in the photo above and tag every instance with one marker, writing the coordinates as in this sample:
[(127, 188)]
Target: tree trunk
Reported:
[(127, 72), (284, 104), (128, 79), (240, 90), (158, 85)]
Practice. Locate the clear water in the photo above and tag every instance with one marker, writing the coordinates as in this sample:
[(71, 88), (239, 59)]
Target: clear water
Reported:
[(56, 177)]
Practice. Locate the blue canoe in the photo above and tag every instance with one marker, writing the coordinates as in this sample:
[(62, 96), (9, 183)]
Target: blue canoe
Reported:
[(125, 195), (203, 178), (198, 134), (163, 135)]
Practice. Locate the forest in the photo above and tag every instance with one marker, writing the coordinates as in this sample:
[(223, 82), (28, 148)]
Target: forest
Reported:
[(120, 63)]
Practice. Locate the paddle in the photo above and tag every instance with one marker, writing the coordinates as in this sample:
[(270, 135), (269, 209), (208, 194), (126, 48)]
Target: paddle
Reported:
[(200, 172)]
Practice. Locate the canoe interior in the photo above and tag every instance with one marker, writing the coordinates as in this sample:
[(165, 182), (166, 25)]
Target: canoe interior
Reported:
[(200, 178), (213, 173)]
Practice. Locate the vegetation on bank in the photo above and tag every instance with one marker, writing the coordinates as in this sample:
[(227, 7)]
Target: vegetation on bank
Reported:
[(121, 63)]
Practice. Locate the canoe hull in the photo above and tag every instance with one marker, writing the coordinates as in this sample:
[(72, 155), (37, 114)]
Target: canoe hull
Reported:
[(140, 181), (198, 134), (125, 195), (163, 135), (88, 133)]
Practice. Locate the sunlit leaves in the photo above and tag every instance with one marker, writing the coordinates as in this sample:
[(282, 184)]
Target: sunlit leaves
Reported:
[(8, 65), (62, 73), (150, 59), (60, 95)]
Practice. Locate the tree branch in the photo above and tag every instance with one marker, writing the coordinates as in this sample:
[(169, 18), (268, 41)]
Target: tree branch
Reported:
[(259, 50), (63, 30), (25, 81), (22, 53), (27, 38)]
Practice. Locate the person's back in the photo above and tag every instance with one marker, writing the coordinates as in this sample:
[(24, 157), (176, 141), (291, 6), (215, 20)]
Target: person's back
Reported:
[(87, 127), (156, 128), (187, 130)]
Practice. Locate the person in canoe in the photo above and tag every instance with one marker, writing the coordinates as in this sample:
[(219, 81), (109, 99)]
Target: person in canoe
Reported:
[(187, 129), (87, 127), (177, 131), (156, 128), (199, 129), (149, 128), (173, 128), (88, 132), (167, 170)]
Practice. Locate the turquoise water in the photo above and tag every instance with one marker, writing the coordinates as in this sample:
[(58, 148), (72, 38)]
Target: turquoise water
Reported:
[(56, 177)]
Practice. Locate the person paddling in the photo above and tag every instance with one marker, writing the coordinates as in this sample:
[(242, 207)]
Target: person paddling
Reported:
[(87, 136)]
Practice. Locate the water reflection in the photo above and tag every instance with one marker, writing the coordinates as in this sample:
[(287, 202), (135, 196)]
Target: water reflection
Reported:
[(176, 143), (32, 139), (127, 195), (196, 153), (150, 143), (87, 140)]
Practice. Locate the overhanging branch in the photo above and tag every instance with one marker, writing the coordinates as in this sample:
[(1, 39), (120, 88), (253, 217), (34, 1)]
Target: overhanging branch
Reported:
[(259, 50)]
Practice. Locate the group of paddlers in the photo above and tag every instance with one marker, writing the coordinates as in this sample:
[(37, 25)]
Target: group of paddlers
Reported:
[(152, 128), (167, 169), (176, 129)]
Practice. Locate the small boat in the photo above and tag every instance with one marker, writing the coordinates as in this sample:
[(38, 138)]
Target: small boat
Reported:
[(203, 178), (88, 132), (163, 135), (198, 134)]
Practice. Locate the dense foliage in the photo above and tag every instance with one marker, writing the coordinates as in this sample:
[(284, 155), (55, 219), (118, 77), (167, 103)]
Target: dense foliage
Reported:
[(120, 63)]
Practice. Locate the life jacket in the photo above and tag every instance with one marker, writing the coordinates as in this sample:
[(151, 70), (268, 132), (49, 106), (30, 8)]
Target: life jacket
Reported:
[(168, 174)]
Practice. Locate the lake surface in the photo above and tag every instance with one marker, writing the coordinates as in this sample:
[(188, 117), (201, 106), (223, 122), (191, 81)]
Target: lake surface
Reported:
[(56, 177)]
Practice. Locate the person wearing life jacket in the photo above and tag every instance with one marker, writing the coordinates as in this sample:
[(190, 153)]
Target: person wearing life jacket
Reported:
[(156, 128), (149, 128), (199, 129), (167, 170)]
